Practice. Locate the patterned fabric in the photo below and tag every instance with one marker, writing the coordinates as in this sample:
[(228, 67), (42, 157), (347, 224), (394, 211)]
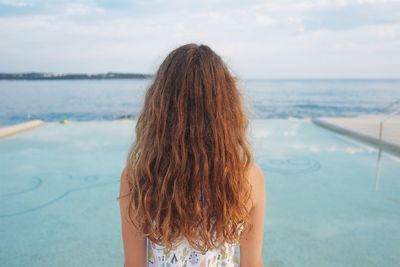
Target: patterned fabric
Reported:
[(183, 255)]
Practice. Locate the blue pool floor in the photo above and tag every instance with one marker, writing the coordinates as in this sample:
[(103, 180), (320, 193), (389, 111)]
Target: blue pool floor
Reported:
[(59, 183)]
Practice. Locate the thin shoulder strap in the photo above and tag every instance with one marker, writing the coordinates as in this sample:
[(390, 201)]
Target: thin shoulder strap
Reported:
[(147, 252)]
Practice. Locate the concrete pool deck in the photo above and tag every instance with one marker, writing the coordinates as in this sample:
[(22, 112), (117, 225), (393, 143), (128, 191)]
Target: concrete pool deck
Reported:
[(366, 130), (6, 131)]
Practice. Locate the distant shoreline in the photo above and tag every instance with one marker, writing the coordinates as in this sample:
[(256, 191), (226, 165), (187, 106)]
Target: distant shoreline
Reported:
[(40, 76), (72, 76)]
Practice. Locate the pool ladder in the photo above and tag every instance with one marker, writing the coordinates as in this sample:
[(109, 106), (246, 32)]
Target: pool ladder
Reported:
[(396, 110)]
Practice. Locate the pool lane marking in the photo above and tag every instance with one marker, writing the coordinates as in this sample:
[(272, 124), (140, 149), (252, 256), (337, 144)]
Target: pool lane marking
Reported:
[(38, 182), (55, 199)]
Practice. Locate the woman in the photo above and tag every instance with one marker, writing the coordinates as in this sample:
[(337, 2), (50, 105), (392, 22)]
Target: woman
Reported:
[(190, 191)]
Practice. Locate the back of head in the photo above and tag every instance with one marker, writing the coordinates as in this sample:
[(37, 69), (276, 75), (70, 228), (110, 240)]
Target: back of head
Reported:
[(188, 167)]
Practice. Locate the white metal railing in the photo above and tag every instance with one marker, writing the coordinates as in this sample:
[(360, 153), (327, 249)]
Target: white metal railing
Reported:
[(391, 113)]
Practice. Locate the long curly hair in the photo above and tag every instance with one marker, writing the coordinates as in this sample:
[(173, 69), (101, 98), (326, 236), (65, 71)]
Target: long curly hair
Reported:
[(189, 165)]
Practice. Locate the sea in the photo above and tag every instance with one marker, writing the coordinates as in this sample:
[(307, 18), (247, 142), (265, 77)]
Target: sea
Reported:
[(88, 100)]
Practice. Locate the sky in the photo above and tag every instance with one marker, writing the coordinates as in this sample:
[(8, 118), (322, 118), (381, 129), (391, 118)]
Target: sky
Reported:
[(257, 39)]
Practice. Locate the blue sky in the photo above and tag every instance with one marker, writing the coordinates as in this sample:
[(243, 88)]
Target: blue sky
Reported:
[(258, 39)]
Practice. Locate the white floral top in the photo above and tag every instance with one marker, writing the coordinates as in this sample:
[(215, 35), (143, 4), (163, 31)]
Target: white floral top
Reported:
[(183, 255)]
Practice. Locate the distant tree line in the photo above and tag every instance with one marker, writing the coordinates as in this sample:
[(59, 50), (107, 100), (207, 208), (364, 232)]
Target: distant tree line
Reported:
[(76, 76)]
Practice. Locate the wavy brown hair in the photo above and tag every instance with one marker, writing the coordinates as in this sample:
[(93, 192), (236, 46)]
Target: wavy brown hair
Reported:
[(189, 165)]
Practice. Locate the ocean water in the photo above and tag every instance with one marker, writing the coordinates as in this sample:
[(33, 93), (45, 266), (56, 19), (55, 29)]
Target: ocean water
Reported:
[(83, 100)]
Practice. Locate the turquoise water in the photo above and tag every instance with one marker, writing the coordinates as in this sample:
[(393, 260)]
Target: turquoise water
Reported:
[(59, 185), (83, 100)]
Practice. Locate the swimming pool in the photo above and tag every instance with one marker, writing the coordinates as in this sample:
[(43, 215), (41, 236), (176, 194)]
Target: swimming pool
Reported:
[(59, 185)]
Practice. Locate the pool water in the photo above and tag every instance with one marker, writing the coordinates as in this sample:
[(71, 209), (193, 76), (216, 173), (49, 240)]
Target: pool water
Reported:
[(59, 185)]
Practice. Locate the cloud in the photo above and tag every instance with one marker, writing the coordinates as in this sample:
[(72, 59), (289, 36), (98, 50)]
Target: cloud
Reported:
[(16, 3), (275, 39), (347, 15), (265, 20)]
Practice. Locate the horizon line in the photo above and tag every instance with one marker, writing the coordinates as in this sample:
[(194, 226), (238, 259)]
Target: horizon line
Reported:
[(151, 75)]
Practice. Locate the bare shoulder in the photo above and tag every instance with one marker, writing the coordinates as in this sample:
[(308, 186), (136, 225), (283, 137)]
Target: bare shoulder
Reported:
[(257, 181), (123, 173), (257, 177), (124, 183), (257, 171)]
